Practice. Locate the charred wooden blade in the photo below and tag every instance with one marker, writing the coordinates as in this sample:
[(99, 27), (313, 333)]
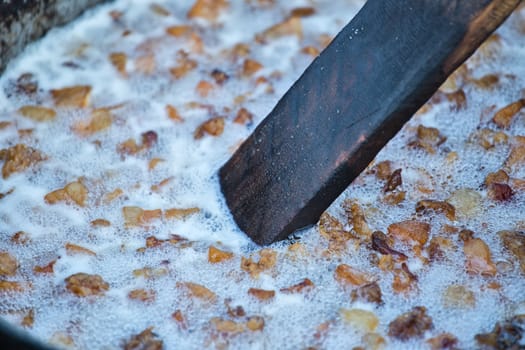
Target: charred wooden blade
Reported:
[(378, 71)]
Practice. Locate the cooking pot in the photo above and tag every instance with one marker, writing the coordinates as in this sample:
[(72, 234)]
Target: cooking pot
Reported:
[(16, 339), (23, 21)]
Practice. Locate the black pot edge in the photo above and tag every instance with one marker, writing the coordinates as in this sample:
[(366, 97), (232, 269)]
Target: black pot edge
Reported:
[(22, 22), (16, 338)]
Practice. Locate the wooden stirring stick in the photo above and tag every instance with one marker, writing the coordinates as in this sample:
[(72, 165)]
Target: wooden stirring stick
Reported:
[(353, 98)]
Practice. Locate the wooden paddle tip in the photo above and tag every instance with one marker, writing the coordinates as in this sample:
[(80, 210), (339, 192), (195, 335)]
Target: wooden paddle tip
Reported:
[(330, 125), (242, 209)]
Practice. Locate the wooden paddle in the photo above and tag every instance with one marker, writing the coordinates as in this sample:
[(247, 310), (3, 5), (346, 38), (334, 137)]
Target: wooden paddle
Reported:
[(353, 98)]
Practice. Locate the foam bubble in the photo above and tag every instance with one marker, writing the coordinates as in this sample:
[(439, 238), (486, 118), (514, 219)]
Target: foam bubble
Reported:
[(78, 54)]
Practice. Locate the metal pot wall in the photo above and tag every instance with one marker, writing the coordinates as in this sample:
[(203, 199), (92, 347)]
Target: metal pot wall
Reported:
[(12, 338), (22, 21)]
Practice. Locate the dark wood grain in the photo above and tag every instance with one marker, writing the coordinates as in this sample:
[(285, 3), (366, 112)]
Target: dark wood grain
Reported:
[(378, 71)]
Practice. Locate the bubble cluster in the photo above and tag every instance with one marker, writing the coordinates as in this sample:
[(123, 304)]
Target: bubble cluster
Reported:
[(154, 207)]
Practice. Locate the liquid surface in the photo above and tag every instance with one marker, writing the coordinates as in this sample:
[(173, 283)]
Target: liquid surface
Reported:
[(119, 180)]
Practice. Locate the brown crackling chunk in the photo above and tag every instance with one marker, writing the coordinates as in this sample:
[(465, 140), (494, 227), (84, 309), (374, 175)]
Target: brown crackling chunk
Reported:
[(212, 127), (503, 118), (111, 196), (305, 11), (437, 248), (427, 138), (131, 147), (216, 255), (411, 230), (488, 81), (118, 60), (227, 327), (207, 9), (411, 324), (363, 320), (394, 180), (234, 311), (73, 96), (505, 335), (479, 260), (29, 319), (356, 217), (394, 198), (174, 114), (255, 323), (332, 230), (488, 139), (350, 276), (180, 213), (74, 249), (514, 241), (516, 158), (404, 280), (500, 192), (100, 119), (136, 216), (290, 26), (10, 286), (73, 192), (267, 260), (8, 264), (438, 207), (20, 237), (83, 284), (499, 176), (261, 294), (382, 170), (145, 340), (178, 316), (370, 292), (184, 66), (219, 76), (49, 268), (18, 158), (7, 193), (150, 272), (100, 223), (250, 67), (305, 284), (243, 117), (458, 99), (198, 291), (38, 113), (141, 294), (443, 341), (380, 244)]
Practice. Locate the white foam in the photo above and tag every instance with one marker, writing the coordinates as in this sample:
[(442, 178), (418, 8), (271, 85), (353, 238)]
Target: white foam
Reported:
[(291, 320)]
